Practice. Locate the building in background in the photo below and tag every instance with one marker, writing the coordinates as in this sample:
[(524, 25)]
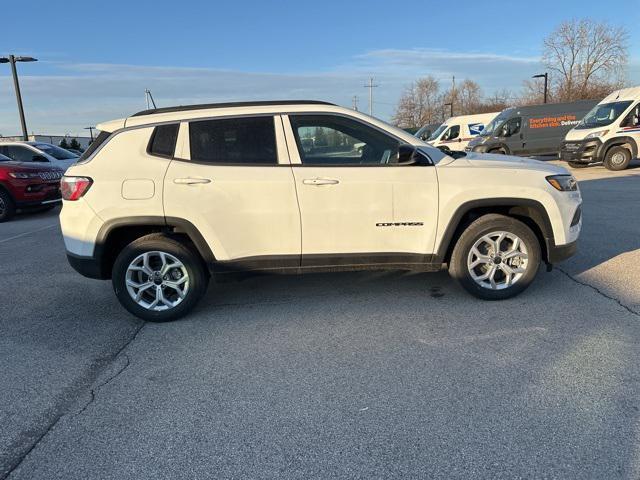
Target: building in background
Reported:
[(53, 139)]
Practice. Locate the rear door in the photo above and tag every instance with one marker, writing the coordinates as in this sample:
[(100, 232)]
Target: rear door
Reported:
[(232, 180), (357, 205)]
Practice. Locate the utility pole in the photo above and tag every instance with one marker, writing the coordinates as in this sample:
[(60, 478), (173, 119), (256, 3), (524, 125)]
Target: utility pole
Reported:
[(12, 60), (355, 102), (90, 132), (370, 86)]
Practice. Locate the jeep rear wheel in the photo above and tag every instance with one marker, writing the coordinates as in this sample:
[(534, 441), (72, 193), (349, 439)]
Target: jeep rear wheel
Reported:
[(7, 207), (158, 278), (496, 257), (617, 158)]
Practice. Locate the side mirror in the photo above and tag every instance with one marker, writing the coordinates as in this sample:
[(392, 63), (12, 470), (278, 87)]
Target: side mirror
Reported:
[(409, 155), (39, 158), (425, 136)]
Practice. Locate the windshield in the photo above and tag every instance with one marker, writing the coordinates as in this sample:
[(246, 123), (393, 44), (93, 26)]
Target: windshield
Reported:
[(437, 133), (56, 152), (603, 114), (493, 125)]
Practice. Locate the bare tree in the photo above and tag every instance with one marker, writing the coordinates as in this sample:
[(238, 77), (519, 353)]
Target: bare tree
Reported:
[(586, 58), (469, 97), (497, 102), (419, 104)]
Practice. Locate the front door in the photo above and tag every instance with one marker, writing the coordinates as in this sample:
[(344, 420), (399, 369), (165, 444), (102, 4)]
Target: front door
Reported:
[(357, 204), (233, 182)]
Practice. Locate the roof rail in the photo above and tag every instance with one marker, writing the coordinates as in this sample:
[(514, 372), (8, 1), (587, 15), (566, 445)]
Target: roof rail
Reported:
[(203, 106)]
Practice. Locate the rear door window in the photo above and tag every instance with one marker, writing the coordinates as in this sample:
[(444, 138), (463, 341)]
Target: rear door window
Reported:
[(234, 141)]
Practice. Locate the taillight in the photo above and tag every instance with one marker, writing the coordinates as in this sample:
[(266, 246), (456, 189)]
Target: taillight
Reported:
[(72, 188)]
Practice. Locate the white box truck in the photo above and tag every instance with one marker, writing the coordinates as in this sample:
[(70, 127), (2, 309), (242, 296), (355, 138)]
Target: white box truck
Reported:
[(609, 133)]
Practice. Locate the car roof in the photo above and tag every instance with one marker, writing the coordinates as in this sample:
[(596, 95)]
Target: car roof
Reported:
[(20, 142), (207, 106), (194, 112)]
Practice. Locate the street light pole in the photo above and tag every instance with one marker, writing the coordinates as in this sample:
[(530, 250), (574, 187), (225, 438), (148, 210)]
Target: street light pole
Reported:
[(544, 75), (12, 60), (451, 108)]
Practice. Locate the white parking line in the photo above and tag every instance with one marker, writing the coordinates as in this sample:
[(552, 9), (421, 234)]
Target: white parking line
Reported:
[(28, 233)]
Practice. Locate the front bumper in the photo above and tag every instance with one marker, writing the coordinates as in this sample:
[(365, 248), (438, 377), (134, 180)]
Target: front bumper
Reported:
[(581, 151), (37, 194), (559, 253)]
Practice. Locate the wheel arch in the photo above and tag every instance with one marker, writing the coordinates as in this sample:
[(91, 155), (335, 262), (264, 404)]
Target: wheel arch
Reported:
[(114, 235), (626, 141), (530, 212)]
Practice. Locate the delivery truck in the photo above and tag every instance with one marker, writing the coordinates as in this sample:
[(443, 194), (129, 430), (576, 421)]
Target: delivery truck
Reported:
[(609, 133), (532, 130), (456, 132)]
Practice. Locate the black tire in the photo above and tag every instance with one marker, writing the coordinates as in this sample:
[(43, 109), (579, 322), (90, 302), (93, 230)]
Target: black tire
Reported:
[(7, 206), (578, 164), (197, 276), (498, 151), (617, 158), (481, 227)]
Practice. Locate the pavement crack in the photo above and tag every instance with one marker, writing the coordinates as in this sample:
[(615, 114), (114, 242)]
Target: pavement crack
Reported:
[(600, 292), (94, 391), (65, 410)]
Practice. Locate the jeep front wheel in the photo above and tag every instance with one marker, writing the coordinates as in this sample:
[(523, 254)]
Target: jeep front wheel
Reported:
[(158, 278), (496, 257)]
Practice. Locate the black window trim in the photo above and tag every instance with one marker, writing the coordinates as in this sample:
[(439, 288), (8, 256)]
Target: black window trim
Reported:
[(153, 135), (346, 165)]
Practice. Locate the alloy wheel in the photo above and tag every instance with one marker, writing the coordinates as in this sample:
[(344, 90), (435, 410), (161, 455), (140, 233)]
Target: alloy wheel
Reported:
[(157, 281), (497, 260)]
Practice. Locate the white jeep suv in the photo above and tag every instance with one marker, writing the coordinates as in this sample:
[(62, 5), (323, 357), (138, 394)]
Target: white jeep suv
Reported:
[(168, 197)]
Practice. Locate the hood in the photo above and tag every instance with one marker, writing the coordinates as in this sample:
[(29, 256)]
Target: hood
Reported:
[(492, 160), (582, 133), (477, 140)]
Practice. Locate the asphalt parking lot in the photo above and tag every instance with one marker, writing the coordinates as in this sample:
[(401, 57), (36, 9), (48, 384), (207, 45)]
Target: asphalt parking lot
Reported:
[(354, 375)]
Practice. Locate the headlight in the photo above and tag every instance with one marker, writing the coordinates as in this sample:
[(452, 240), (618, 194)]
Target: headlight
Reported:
[(599, 133), (564, 183)]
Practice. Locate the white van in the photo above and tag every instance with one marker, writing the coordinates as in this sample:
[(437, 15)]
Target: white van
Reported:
[(609, 133), (455, 133)]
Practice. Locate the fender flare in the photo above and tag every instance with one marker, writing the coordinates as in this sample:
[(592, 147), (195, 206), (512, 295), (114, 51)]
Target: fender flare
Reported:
[(170, 224), (523, 206)]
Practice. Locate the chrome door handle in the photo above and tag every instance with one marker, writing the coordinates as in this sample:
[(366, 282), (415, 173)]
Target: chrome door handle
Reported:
[(320, 181), (191, 181)]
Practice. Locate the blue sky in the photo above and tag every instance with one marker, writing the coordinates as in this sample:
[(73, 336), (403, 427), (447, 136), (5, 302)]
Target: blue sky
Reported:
[(96, 59)]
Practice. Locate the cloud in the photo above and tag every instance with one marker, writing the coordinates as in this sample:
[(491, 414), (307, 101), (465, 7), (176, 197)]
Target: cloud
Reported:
[(72, 96)]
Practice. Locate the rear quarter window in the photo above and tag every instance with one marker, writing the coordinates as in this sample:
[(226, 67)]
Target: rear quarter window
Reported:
[(163, 140)]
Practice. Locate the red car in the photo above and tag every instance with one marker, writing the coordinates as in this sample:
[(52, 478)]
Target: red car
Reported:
[(26, 185)]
